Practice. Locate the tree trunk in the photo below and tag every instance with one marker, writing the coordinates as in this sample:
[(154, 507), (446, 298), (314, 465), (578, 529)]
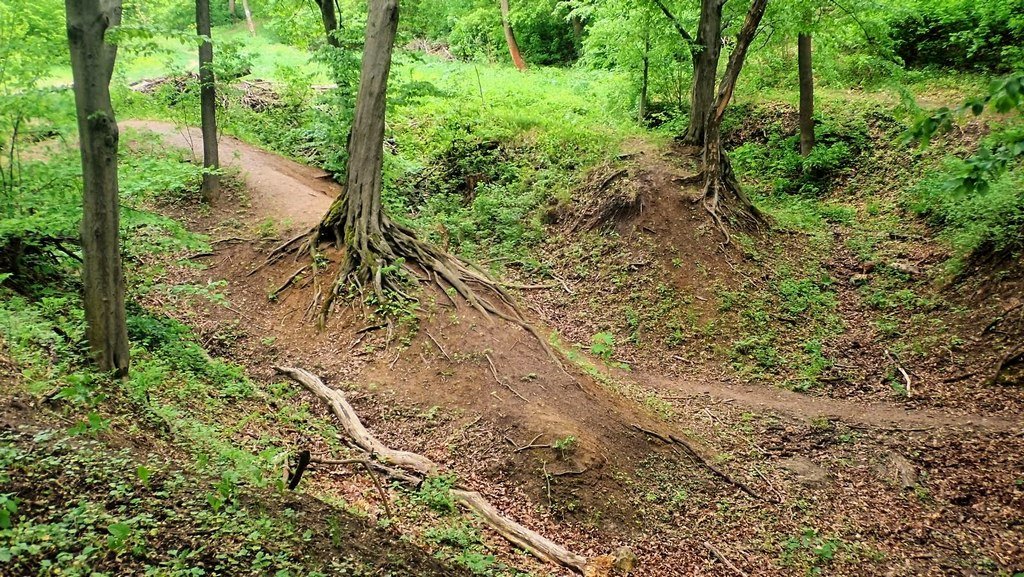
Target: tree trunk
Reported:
[(248, 17), (705, 69), (642, 113), (330, 20), (92, 64), (207, 103), (723, 196), (806, 94), (577, 34), (510, 37), (231, 9), (356, 218)]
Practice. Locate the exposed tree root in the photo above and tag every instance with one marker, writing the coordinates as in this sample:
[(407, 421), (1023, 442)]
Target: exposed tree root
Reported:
[(372, 261), (724, 199), (528, 540)]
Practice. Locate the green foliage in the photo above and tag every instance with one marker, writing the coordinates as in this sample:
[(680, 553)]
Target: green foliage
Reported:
[(472, 29), (959, 34), (978, 201), (974, 224), (436, 493), (775, 165), (812, 550), (603, 345)]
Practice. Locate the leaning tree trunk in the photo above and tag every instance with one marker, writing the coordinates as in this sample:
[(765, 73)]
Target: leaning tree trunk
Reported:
[(207, 103), (510, 37), (705, 70), (92, 64), (723, 197), (248, 17), (806, 74), (330, 19)]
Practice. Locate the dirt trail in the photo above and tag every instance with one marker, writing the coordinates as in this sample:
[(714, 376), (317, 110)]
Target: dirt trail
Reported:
[(293, 194), (298, 195), (802, 406)]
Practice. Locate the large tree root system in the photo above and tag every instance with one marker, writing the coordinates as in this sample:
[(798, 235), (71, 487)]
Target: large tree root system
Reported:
[(372, 262), (414, 468)]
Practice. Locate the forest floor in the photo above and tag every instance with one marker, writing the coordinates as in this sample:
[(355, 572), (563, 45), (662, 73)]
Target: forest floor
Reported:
[(846, 481)]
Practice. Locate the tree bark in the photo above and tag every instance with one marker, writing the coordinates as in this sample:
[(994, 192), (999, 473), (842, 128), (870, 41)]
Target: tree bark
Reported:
[(642, 112), (92, 64), (510, 37), (231, 9), (330, 19), (705, 69), (207, 103), (248, 17), (356, 218), (806, 74), (723, 195), (577, 34)]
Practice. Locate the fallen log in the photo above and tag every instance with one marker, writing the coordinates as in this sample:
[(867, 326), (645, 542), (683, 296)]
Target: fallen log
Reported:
[(353, 427), (515, 533)]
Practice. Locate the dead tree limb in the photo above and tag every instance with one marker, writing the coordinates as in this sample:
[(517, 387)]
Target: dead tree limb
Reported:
[(353, 427), (527, 539)]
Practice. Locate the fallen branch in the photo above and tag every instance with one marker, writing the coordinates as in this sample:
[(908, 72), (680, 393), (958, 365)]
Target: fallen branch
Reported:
[(526, 539), (439, 347), (906, 377), (287, 283), (677, 442), (723, 559), (1011, 357), (494, 371), (353, 427)]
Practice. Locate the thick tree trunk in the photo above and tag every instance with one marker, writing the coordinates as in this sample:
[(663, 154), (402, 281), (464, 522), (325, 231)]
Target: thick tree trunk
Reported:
[(92, 64), (231, 9), (356, 218), (330, 19), (207, 103), (806, 94), (723, 196), (248, 17), (705, 69), (510, 37)]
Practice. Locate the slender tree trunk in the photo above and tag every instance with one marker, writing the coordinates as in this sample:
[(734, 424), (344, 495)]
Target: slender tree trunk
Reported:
[(705, 69), (806, 94), (207, 103), (330, 19), (248, 17), (723, 195), (510, 37), (231, 9), (577, 34), (642, 113), (92, 64)]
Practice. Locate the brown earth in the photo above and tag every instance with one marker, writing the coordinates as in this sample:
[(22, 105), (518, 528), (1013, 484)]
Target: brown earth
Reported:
[(896, 490)]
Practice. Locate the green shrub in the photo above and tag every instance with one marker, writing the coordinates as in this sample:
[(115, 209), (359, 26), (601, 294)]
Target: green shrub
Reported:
[(974, 223)]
